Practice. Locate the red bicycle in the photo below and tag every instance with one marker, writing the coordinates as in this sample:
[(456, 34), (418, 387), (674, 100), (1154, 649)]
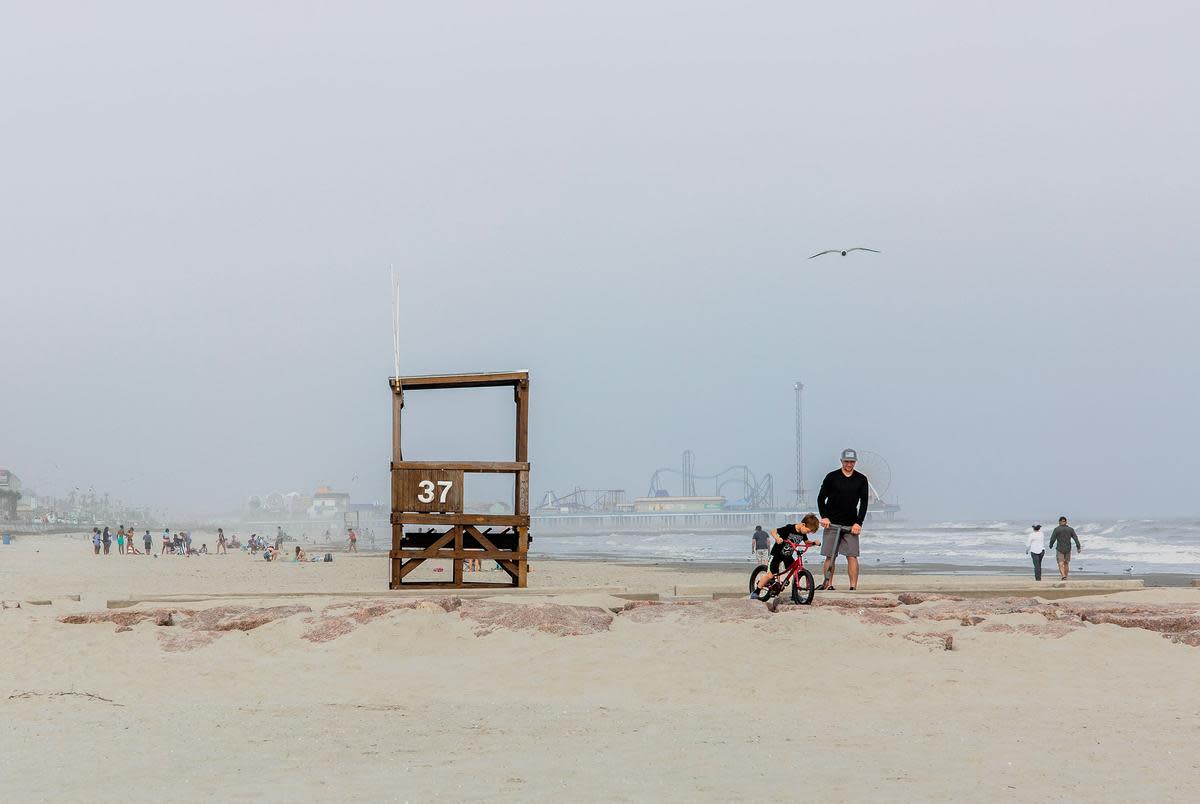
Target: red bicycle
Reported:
[(800, 579)]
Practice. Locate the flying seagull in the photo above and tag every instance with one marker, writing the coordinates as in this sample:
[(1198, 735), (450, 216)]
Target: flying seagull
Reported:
[(847, 251)]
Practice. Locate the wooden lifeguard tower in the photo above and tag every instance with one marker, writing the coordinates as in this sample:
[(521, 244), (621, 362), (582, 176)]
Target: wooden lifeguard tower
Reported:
[(429, 495)]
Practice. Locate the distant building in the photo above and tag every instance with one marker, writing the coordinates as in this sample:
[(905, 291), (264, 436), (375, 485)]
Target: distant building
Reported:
[(646, 505), (327, 503), (10, 494)]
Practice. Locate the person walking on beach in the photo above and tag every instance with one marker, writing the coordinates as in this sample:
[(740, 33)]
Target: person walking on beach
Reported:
[(1060, 540), (353, 546), (842, 502), (166, 544), (148, 543), (221, 542), (96, 540), (1036, 547), (760, 545), (106, 539), (121, 540)]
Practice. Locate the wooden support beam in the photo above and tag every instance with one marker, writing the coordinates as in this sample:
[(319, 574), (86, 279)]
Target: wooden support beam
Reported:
[(479, 380), (470, 467), (496, 520), (458, 562), (521, 394), (449, 553), (450, 585)]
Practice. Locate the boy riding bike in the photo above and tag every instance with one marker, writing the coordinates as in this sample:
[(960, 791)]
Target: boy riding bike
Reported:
[(781, 552)]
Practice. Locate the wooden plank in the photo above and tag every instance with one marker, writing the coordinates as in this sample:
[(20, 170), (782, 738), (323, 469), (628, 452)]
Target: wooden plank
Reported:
[(511, 568), (522, 549), (397, 406), (521, 495), (478, 380), (484, 542), (427, 490), (458, 562), (495, 520), (470, 467), (448, 553), (420, 540), (410, 565), (521, 394), (451, 585)]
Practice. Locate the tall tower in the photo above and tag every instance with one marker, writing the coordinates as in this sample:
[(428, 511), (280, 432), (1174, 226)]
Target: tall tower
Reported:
[(799, 387)]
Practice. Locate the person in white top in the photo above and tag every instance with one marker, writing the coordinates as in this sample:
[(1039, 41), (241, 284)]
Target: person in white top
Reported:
[(1036, 547)]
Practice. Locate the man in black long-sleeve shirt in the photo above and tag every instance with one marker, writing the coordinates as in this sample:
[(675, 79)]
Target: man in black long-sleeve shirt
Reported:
[(842, 502)]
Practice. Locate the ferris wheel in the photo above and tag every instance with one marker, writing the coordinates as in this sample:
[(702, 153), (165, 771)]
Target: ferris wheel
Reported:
[(878, 472)]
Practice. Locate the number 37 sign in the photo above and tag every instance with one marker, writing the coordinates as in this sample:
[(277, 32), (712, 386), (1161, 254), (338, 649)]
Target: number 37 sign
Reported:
[(428, 491)]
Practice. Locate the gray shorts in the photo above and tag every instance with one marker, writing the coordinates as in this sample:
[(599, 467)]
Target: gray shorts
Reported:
[(762, 555), (832, 546)]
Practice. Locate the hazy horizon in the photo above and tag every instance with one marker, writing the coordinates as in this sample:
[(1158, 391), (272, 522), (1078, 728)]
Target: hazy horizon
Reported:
[(201, 206)]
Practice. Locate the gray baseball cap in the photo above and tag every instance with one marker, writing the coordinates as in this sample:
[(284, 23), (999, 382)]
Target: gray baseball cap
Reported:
[(849, 455)]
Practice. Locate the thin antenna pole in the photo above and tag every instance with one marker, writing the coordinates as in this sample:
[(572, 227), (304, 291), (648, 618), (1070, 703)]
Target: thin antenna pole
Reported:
[(395, 322)]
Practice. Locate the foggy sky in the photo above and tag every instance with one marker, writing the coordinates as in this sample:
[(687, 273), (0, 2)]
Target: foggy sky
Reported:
[(199, 207)]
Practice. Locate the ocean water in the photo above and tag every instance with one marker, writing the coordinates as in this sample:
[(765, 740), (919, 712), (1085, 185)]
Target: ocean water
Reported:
[(1110, 547)]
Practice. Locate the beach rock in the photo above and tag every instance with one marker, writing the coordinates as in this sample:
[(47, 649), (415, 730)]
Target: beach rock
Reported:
[(339, 619), (126, 617), (914, 598), (856, 602), (638, 604), (548, 618), (1173, 623), (1051, 630), (958, 610), (204, 626), (972, 620), (1191, 638), (937, 640), (722, 611), (875, 617)]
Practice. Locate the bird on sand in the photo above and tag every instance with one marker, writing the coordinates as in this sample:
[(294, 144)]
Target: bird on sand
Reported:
[(845, 252)]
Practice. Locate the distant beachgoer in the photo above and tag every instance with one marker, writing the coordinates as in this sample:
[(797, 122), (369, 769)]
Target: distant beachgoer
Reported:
[(166, 543), (121, 540), (842, 501), (148, 542), (1036, 547), (760, 544), (106, 539), (221, 542), (300, 556), (187, 543), (204, 549), (1060, 540), (353, 546), (278, 539), (96, 540)]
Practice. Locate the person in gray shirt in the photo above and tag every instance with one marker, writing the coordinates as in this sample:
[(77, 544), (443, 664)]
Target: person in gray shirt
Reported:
[(760, 544), (1060, 540)]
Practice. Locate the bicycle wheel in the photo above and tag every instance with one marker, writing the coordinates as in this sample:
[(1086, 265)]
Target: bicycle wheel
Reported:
[(759, 570), (802, 588)]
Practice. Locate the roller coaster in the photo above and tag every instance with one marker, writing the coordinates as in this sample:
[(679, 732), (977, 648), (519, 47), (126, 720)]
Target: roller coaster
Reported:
[(755, 493)]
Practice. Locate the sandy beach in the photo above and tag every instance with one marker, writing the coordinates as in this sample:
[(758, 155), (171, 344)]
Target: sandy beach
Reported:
[(299, 682)]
